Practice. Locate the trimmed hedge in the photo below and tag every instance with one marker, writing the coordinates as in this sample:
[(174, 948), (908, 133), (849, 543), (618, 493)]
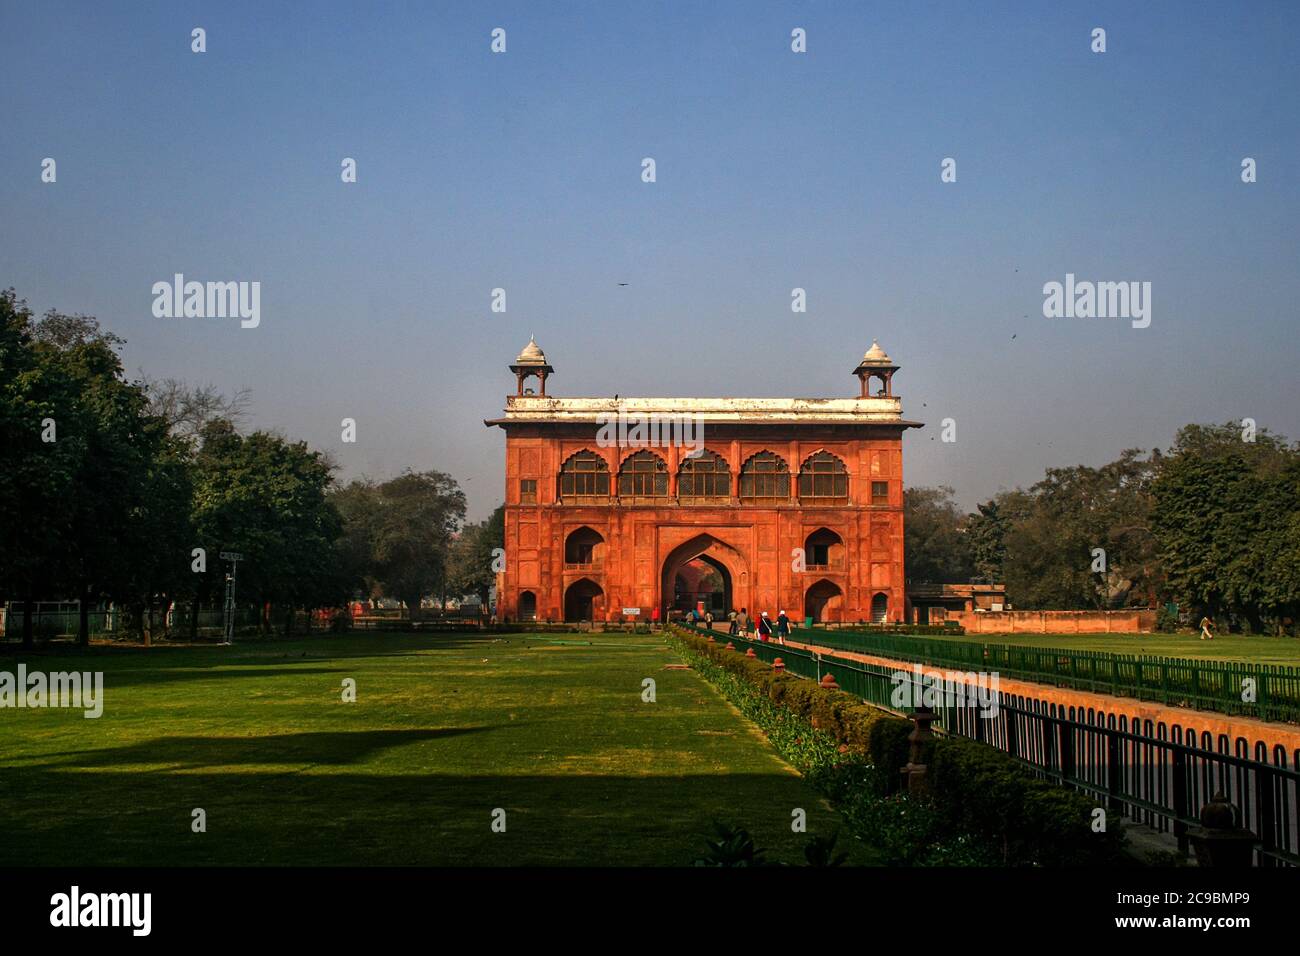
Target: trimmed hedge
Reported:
[(974, 788)]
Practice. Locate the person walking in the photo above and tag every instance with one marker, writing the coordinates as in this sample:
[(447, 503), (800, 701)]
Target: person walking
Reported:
[(782, 627), (708, 619), (1207, 623), (731, 623), (764, 628), (742, 622)]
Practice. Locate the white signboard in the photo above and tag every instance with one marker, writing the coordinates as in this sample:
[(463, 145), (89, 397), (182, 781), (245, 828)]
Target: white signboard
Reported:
[(631, 611)]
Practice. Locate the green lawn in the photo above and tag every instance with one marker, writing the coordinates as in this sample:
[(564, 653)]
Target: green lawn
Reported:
[(445, 729), (1265, 650)]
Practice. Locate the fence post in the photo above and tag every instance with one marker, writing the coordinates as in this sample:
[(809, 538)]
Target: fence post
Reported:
[(1067, 751), (1180, 799), (1219, 841), (1049, 743), (1114, 772), (1264, 811)]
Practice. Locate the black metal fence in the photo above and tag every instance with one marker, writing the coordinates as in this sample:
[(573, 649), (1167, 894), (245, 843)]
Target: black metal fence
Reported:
[(1148, 771), (1262, 691), (109, 623)]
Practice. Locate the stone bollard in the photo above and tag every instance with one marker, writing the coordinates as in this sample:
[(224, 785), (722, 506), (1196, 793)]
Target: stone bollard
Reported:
[(1218, 842), (778, 665), (730, 646), (914, 780), (749, 652), (828, 682)]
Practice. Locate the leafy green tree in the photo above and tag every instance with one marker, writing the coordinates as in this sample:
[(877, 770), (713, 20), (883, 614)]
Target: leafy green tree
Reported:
[(37, 401), (359, 505), (986, 532), (936, 547), (474, 553), (267, 498), (126, 503), (1265, 452), (1225, 521), (418, 514), (1079, 539)]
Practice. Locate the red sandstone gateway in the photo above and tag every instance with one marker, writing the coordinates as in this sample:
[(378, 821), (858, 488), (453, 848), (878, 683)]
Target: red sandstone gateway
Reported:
[(710, 503)]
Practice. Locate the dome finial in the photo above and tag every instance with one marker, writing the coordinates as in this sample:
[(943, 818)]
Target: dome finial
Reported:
[(875, 355), (532, 353)]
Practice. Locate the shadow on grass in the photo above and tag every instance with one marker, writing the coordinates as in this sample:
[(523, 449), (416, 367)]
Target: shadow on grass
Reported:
[(324, 747), (69, 818), (354, 644), (118, 678)]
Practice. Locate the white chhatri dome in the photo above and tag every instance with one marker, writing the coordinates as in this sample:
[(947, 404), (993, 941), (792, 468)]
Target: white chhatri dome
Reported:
[(875, 355), (532, 354)]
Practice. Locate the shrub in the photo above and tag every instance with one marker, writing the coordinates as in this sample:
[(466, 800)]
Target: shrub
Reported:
[(982, 806)]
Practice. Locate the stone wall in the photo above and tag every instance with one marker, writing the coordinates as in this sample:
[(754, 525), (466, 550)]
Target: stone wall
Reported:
[(1131, 621)]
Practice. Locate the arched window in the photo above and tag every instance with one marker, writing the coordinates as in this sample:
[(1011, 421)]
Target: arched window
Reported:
[(824, 480), (824, 551), (765, 478), (643, 477), (527, 606), (704, 478), (584, 548), (880, 608), (584, 477)]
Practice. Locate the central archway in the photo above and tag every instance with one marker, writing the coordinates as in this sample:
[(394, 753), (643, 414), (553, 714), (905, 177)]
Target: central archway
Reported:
[(703, 568), (702, 581)]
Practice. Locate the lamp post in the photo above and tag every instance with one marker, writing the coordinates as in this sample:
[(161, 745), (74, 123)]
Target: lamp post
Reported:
[(234, 557)]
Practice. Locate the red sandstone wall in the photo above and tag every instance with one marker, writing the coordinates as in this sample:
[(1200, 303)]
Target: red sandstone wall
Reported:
[(756, 543), (1052, 622)]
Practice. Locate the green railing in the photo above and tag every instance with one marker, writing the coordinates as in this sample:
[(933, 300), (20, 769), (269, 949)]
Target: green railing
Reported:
[(1264, 691), (872, 682), (1155, 774)]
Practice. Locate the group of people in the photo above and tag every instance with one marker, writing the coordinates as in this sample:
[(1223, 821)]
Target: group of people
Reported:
[(740, 624)]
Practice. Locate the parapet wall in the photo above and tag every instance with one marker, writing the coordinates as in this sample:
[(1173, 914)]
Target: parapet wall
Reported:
[(1134, 621)]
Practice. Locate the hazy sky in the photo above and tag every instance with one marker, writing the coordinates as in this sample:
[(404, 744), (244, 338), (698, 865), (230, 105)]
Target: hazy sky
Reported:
[(775, 170)]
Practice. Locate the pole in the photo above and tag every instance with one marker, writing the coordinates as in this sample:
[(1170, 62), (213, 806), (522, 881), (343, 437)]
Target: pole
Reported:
[(234, 558)]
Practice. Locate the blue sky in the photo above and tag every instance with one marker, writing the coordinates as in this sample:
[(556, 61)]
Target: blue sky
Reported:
[(775, 170)]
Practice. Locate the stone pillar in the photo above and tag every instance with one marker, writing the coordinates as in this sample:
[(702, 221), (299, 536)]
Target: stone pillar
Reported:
[(674, 463), (1218, 842), (914, 774)]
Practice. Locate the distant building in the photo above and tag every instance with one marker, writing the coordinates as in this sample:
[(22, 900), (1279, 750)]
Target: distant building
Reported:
[(935, 603), (618, 506)]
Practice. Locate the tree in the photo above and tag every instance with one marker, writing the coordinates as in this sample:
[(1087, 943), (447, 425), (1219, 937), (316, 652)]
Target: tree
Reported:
[(1225, 522), (36, 401), (474, 556), (187, 409), (413, 526), (986, 532), (159, 536), (936, 547), (1078, 539), (359, 506), (267, 498), (126, 501)]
